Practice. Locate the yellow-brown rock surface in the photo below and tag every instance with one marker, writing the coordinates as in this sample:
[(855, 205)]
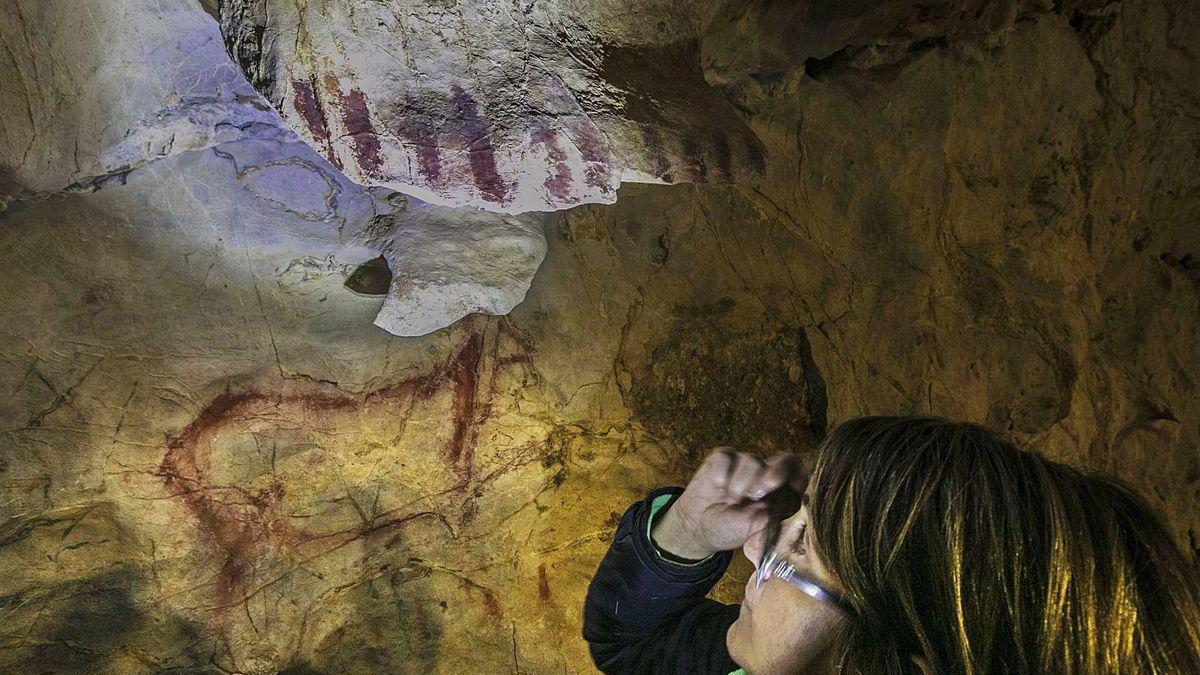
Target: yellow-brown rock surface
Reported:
[(212, 462)]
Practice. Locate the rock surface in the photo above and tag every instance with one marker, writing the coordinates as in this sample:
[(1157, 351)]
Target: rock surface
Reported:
[(454, 262), (91, 90), (213, 463), (505, 106), (98, 91)]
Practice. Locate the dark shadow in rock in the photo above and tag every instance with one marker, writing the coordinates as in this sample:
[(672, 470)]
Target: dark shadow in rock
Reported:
[(9, 186), (373, 277), (74, 627), (712, 383), (389, 622), (78, 604)]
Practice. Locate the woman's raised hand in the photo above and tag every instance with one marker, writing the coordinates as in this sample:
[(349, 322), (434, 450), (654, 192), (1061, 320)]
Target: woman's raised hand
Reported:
[(723, 504)]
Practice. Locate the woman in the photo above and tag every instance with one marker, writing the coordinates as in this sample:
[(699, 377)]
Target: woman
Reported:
[(920, 546)]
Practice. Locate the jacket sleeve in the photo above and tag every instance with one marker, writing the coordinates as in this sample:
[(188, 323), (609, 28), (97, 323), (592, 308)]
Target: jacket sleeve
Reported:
[(646, 614)]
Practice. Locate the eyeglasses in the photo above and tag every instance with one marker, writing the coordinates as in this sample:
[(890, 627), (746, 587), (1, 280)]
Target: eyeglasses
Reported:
[(773, 565)]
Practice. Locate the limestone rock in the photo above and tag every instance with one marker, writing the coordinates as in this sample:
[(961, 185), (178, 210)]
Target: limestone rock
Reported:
[(443, 263), (213, 462), (750, 42), (91, 90), (453, 262), (98, 91), (556, 106)]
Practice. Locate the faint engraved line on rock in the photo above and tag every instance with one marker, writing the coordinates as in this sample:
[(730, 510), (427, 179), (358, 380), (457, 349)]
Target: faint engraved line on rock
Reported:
[(359, 533), (698, 201), (598, 535), (61, 399)]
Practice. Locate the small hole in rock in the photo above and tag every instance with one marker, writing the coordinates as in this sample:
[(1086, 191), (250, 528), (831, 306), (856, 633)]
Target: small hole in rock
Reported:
[(370, 278)]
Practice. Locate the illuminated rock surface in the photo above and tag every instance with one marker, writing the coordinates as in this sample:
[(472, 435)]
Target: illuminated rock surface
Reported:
[(453, 262), (506, 106), (213, 462), (99, 91), (92, 90)]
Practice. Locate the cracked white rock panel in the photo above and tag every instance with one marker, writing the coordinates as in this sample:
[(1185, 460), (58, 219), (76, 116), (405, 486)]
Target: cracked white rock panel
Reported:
[(298, 223), (99, 90), (484, 104), (448, 263), (94, 89)]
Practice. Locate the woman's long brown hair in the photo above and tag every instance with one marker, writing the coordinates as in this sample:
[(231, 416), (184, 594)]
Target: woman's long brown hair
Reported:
[(963, 554)]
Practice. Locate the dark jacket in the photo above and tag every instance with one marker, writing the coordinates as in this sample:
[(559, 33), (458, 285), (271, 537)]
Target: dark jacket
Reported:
[(646, 614)]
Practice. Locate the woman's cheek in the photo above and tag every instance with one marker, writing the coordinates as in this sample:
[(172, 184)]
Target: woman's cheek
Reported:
[(753, 548)]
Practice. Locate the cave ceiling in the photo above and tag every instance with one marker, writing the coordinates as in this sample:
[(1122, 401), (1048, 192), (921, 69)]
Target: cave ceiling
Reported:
[(336, 335)]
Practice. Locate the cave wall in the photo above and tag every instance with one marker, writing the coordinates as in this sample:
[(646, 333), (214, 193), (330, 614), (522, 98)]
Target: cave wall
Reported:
[(509, 107), (213, 462), (93, 93)]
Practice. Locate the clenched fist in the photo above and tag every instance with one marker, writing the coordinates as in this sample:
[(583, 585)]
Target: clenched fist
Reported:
[(723, 505)]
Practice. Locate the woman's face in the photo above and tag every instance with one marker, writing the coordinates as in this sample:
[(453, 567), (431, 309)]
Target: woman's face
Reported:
[(781, 630)]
